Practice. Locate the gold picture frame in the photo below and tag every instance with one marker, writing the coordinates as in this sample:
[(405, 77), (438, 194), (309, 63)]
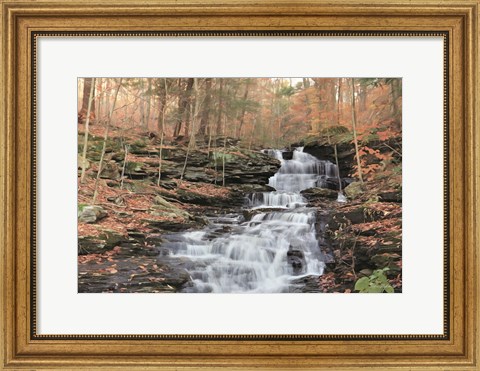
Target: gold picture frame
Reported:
[(23, 21)]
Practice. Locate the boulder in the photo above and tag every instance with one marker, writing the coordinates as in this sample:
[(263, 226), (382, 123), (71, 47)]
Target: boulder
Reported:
[(394, 196), (306, 284), (112, 238), (110, 170), (80, 162), (354, 190), (106, 240), (90, 213), (90, 245)]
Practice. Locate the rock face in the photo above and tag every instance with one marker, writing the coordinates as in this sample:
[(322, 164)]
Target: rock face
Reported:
[(242, 167), (345, 153), (106, 240), (91, 214)]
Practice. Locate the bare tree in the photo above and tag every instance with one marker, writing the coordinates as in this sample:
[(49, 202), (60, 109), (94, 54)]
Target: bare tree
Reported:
[(191, 142), (162, 133), (244, 108), (335, 145), (183, 108), (87, 84), (206, 108), (354, 127), (85, 138), (148, 103), (105, 138)]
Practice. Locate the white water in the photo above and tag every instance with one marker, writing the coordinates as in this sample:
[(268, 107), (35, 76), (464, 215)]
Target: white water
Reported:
[(234, 256)]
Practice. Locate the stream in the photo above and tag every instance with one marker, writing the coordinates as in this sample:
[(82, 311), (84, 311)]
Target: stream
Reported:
[(274, 246)]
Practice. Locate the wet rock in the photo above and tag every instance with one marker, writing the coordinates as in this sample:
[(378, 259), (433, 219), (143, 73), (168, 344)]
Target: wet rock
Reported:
[(287, 155), (251, 188), (154, 239), (171, 225), (314, 193), (91, 214), (248, 214), (296, 259), (325, 151), (306, 284)]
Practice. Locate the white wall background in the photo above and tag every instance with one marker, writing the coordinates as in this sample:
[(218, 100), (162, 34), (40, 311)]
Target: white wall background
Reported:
[(418, 310)]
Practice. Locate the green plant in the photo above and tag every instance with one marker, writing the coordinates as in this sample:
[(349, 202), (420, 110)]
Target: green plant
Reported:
[(377, 282), (81, 207)]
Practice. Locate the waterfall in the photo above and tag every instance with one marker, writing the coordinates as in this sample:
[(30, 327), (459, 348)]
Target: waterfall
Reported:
[(266, 252)]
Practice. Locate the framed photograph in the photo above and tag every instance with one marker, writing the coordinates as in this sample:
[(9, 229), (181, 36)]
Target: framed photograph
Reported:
[(205, 185)]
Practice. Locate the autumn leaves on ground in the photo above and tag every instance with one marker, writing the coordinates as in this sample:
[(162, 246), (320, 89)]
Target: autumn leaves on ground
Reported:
[(158, 157)]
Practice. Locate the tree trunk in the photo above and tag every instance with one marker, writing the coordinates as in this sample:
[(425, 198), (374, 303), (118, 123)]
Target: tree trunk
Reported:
[(335, 145), (87, 85), (148, 101), (354, 127), (180, 110), (85, 139), (106, 100), (244, 109), (224, 150), (191, 142), (100, 164), (164, 107), (100, 93), (395, 93), (220, 108), (161, 113), (124, 165), (362, 97), (206, 108), (183, 109), (142, 104), (306, 83)]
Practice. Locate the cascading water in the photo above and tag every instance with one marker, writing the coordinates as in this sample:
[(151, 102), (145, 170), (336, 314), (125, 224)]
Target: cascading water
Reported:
[(278, 243)]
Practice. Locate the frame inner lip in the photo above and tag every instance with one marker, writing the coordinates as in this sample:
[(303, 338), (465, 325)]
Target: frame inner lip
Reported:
[(240, 33)]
